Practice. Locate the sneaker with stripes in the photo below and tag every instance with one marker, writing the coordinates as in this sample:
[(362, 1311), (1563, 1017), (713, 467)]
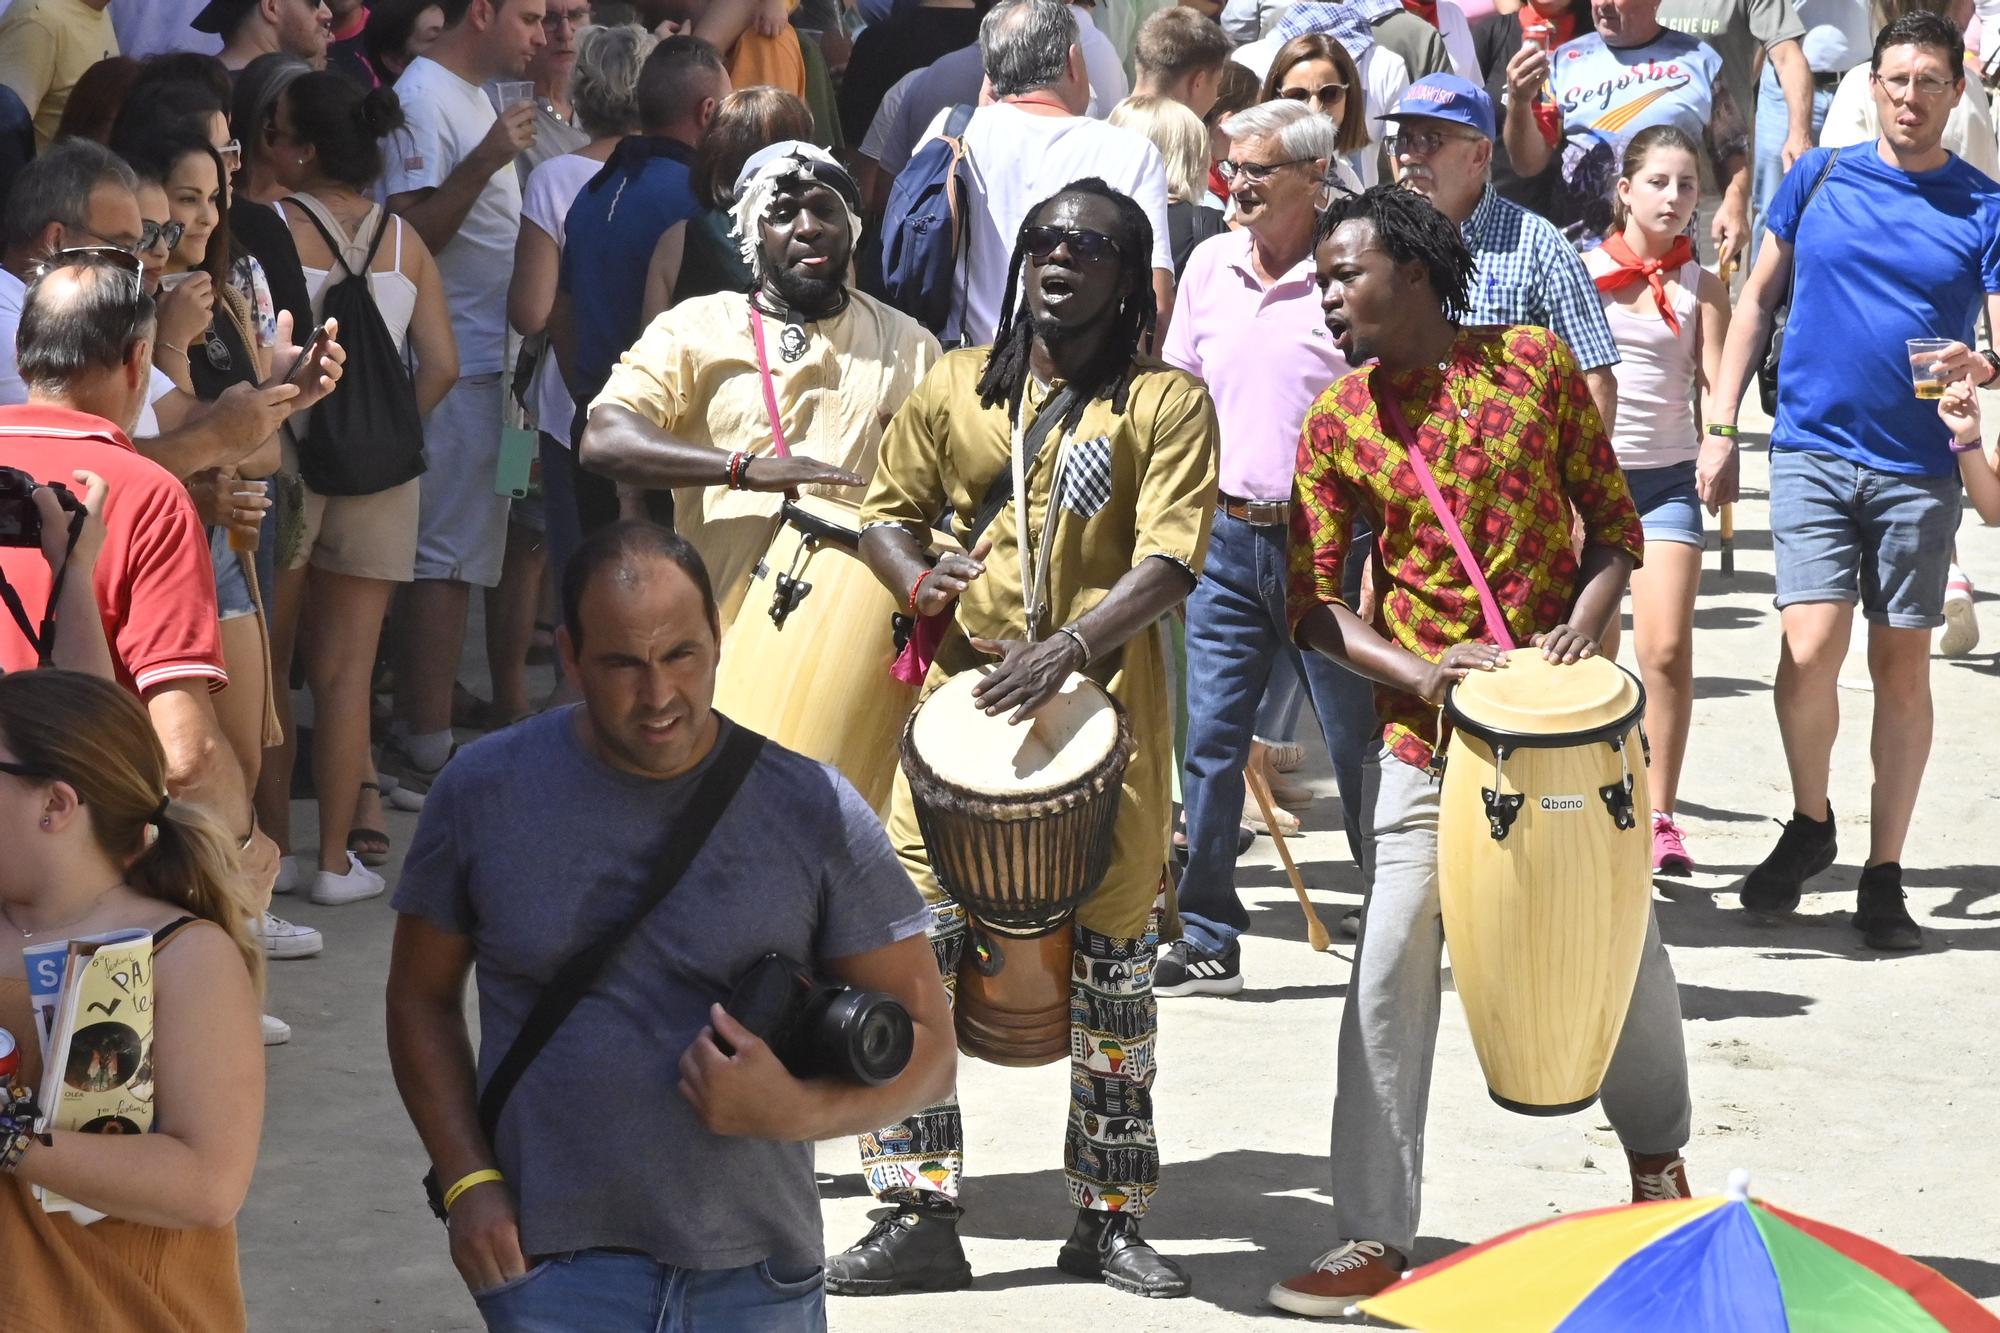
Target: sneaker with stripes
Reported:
[(1188, 968)]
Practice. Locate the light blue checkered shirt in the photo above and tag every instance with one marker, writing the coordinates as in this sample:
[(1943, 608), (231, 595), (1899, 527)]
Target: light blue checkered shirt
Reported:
[(1524, 272)]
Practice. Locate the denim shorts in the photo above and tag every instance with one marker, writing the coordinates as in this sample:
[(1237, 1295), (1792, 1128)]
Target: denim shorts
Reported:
[(1845, 533), (232, 590), (1667, 502)]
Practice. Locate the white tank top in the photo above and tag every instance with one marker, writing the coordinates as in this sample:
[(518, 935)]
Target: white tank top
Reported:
[(395, 294), (1655, 372)]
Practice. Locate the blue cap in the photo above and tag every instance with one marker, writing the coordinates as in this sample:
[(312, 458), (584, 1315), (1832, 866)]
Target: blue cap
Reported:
[(1446, 97)]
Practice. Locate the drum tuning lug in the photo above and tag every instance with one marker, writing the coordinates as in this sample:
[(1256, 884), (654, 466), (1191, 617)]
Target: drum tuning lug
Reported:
[(1618, 800), (901, 627), (1501, 810), (785, 600)]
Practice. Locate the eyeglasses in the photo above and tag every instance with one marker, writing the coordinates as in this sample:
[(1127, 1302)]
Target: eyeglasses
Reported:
[(1327, 94), (231, 154), (1255, 172), (1422, 143), (1902, 85), (1089, 246), (160, 234), (575, 18)]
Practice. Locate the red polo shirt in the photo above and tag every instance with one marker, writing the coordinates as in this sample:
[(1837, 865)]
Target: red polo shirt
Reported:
[(155, 583)]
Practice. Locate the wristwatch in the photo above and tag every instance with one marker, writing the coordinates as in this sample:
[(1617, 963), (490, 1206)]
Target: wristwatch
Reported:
[(1993, 360)]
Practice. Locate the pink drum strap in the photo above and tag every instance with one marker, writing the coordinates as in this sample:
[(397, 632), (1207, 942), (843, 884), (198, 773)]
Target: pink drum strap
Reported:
[(764, 373), (1392, 416)]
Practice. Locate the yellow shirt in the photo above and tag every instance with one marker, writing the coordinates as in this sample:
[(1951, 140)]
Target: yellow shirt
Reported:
[(45, 46), (693, 373), (1137, 485)]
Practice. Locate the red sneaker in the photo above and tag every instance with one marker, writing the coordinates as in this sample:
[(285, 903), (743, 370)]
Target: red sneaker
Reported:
[(1657, 1176), (1338, 1279)]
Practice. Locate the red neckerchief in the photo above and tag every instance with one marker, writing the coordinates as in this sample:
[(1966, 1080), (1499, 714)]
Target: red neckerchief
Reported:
[(1428, 12), (1216, 185), (1632, 269)]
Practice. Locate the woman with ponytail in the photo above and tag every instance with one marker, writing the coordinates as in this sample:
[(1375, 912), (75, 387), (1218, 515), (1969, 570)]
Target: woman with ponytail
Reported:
[(94, 845), (324, 144)]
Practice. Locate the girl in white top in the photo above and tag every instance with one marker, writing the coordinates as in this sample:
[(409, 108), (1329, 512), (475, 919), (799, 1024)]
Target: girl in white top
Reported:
[(1669, 316), (325, 148)]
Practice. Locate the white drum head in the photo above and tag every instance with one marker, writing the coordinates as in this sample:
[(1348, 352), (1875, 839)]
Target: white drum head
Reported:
[(1066, 740)]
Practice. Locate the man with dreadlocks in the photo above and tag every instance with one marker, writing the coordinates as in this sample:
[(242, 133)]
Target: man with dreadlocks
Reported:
[(690, 405), (1502, 418), (1117, 452)]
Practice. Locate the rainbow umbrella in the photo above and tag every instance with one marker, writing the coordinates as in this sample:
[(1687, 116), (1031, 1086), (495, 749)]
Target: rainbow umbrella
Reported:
[(1726, 1264)]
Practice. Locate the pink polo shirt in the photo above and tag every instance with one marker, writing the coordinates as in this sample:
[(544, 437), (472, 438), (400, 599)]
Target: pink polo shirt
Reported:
[(1264, 353)]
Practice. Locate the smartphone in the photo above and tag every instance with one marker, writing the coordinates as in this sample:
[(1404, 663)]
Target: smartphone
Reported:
[(306, 368)]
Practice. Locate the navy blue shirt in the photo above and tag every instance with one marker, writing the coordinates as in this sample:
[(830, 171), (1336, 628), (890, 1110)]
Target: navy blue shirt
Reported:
[(1881, 255), (608, 242)]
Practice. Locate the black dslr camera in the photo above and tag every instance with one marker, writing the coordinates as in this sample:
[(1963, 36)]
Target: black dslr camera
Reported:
[(20, 521), (822, 1029)]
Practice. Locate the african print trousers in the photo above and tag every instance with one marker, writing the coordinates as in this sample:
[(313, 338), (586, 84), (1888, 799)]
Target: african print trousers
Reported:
[(1111, 1157)]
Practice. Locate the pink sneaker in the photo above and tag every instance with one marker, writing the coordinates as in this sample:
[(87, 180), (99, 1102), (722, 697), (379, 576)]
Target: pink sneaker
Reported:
[(1670, 853)]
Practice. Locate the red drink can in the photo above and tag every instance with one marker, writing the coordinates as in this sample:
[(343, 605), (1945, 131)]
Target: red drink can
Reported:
[(10, 1056), (1538, 31)]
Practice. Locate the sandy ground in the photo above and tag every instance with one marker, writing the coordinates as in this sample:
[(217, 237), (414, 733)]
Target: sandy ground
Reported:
[(1856, 1088)]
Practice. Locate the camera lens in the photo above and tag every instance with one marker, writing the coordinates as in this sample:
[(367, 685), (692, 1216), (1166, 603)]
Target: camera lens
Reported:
[(867, 1035)]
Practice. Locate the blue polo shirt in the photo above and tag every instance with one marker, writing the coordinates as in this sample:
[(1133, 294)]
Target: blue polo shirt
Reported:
[(1881, 255), (608, 242)]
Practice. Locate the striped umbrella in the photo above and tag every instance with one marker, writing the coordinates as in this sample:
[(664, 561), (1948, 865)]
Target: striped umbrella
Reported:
[(1726, 1264)]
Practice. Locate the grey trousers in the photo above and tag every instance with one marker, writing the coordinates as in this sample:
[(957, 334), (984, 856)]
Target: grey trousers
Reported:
[(1388, 1030)]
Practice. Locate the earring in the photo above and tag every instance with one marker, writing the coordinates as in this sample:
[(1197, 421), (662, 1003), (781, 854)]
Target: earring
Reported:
[(46, 821)]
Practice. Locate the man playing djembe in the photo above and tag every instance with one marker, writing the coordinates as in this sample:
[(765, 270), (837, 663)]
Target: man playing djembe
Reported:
[(1119, 458), (1503, 420)]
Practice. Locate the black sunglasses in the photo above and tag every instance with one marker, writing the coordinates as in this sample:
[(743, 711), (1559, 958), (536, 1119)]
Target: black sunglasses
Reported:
[(156, 233), (25, 771), (1089, 246)]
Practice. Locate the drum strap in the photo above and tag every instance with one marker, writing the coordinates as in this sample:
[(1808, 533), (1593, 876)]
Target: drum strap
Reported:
[(770, 390), (1392, 416), (1027, 446)]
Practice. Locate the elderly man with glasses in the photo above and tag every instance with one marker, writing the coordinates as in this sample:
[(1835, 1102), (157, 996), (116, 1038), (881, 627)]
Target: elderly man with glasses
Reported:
[(1250, 327), (1523, 271)]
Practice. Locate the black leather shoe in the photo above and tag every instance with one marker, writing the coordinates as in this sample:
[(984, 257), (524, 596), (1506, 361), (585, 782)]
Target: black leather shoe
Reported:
[(1107, 1246), (1879, 913), (1805, 848), (910, 1248)]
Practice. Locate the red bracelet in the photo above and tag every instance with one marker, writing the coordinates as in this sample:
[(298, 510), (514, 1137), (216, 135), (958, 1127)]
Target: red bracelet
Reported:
[(918, 586), (737, 462)]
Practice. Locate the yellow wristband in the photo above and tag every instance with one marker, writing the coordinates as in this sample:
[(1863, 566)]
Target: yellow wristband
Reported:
[(466, 1182)]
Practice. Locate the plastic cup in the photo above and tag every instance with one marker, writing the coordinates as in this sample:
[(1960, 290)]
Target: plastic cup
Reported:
[(510, 93), (248, 490), (1924, 353)]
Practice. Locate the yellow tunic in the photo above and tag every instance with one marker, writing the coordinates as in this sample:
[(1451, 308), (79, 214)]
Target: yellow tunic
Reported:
[(45, 46), (694, 374), (1157, 498)]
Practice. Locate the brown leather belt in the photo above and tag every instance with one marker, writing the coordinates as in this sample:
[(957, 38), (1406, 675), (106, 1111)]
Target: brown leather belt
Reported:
[(1257, 513)]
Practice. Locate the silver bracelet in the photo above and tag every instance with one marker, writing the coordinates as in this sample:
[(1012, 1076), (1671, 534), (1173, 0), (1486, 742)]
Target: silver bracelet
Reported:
[(1077, 637)]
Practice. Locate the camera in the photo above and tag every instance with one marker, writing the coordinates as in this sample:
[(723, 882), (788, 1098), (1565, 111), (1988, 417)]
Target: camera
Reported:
[(822, 1029), (20, 521)]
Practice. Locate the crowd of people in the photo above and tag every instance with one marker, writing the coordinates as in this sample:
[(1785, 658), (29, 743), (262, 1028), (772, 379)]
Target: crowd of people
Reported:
[(1272, 355)]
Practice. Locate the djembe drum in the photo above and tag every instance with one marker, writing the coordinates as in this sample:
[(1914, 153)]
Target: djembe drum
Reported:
[(1543, 871), (1017, 821)]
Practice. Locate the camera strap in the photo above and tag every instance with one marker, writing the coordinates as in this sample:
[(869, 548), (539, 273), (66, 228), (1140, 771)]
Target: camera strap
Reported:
[(43, 641), (567, 988)]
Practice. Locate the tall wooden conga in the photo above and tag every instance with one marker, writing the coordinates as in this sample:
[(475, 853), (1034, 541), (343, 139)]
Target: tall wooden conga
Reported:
[(1543, 871), (1017, 821)]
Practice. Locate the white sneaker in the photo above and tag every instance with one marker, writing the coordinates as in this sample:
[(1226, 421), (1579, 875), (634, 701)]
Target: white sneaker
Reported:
[(331, 890), (290, 875), (286, 939), (276, 1031), (398, 797), (1961, 622)]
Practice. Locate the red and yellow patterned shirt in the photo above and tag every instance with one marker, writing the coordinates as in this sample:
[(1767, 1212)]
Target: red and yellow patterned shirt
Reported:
[(1511, 434)]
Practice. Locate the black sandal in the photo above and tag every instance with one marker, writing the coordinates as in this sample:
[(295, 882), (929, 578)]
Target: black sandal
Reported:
[(369, 845)]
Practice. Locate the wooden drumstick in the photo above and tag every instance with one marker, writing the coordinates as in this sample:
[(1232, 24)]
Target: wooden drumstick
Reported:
[(1315, 928)]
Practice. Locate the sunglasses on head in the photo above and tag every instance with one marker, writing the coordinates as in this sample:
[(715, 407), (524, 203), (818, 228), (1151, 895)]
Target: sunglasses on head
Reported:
[(125, 260), (1089, 246), (24, 771)]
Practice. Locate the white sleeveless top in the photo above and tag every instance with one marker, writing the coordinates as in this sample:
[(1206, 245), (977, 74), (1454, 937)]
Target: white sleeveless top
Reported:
[(395, 294), (1656, 372)]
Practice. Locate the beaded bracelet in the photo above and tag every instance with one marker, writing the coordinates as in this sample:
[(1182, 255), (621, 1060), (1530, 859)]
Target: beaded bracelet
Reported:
[(918, 586), (739, 463)]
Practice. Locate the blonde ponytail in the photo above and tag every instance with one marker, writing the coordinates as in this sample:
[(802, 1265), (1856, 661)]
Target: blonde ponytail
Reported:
[(193, 863)]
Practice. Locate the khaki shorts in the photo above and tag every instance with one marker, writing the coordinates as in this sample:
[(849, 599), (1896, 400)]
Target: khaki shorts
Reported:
[(361, 536)]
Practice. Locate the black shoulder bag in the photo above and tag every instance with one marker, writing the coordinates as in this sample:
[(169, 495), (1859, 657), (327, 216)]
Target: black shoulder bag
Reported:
[(566, 989), (1767, 370)]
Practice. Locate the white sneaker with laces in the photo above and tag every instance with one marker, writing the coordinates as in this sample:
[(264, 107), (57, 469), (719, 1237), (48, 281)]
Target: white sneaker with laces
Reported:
[(290, 875), (286, 939), (1961, 621), (358, 882), (276, 1031)]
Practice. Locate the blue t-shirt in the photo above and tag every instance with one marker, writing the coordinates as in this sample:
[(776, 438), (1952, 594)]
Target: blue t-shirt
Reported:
[(1882, 255), (531, 847), (608, 242)]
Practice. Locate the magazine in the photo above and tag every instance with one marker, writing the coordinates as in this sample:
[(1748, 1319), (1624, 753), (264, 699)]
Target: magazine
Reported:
[(97, 1075)]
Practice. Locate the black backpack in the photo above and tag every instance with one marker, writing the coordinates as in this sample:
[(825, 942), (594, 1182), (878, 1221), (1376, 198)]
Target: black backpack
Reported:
[(367, 436)]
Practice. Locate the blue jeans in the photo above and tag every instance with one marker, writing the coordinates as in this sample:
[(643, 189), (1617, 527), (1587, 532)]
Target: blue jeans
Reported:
[(1236, 635), (1768, 168), (610, 1291)]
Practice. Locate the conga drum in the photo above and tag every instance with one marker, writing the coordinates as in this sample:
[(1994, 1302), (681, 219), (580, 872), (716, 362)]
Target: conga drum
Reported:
[(1544, 871), (1018, 823), (806, 660)]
